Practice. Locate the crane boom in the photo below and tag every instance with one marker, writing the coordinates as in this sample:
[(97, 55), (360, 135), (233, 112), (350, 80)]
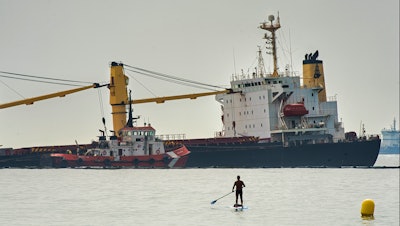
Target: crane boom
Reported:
[(160, 100), (118, 96), (47, 96)]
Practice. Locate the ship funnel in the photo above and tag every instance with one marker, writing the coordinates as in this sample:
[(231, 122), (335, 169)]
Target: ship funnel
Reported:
[(313, 74)]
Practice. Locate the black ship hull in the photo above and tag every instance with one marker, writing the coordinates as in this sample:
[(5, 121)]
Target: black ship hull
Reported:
[(34, 160), (248, 155), (36, 157), (274, 155)]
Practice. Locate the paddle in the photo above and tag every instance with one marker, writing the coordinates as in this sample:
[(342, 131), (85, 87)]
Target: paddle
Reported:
[(213, 202)]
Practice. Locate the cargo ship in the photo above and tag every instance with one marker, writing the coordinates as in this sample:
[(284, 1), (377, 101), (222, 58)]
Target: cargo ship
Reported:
[(278, 120), (272, 119), (390, 140)]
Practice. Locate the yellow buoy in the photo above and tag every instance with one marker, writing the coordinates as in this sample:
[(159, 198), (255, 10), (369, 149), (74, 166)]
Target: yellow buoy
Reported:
[(367, 208)]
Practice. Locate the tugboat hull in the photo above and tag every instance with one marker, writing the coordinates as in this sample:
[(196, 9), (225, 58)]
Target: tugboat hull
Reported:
[(173, 159)]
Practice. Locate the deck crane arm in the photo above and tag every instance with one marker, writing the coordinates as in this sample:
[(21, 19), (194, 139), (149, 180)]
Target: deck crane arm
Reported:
[(119, 95), (160, 100), (48, 96)]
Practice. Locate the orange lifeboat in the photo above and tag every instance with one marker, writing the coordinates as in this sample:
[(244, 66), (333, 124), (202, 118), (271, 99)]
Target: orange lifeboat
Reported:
[(294, 110)]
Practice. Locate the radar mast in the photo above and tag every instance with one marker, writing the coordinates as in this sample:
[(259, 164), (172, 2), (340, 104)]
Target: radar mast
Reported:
[(272, 27)]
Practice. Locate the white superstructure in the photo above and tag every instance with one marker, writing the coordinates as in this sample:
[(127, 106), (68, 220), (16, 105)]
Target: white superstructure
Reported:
[(280, 107), (391, 139)]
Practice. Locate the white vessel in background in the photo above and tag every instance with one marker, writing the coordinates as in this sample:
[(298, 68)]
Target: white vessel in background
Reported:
[(390, 140)]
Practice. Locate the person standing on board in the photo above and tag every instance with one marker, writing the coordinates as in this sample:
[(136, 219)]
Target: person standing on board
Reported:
[(239, 192)]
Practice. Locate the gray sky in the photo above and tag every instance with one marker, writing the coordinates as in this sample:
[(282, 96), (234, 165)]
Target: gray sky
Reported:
[(198, 40)]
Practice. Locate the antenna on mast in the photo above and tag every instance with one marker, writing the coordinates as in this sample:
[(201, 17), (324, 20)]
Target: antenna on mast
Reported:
[(130, 117), (260, 67), (234, 63), (272, 27)]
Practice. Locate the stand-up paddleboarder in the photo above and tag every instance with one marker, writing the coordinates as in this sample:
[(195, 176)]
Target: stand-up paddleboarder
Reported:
[(239, 192)]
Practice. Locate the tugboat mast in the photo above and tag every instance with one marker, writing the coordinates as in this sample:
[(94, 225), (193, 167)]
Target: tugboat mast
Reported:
[(271, 27)]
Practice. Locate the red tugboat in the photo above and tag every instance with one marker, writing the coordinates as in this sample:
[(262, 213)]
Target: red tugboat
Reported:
[(134, 147)]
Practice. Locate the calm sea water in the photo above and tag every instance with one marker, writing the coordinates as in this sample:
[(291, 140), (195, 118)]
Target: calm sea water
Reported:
[(182, 196)]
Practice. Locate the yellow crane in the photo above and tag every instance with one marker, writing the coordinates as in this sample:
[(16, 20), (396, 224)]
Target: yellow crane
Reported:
[(32, 100), (118, 96)]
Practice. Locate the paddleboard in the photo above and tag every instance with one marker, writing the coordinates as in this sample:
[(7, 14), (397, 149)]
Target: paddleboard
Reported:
[(239, 207)]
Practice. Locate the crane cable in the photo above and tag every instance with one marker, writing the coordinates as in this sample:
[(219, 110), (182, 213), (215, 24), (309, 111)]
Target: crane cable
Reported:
[(34, 78), (166, 79), (15, 91), (173, 79), (142, 85), (102, 110)]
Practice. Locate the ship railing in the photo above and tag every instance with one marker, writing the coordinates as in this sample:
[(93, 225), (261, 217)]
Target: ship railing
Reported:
[(371, 137), (332, 98), (171, 136), (219, 134)]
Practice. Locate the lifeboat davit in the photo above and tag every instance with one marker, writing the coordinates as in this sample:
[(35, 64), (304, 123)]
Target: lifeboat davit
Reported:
[(294, 110)]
